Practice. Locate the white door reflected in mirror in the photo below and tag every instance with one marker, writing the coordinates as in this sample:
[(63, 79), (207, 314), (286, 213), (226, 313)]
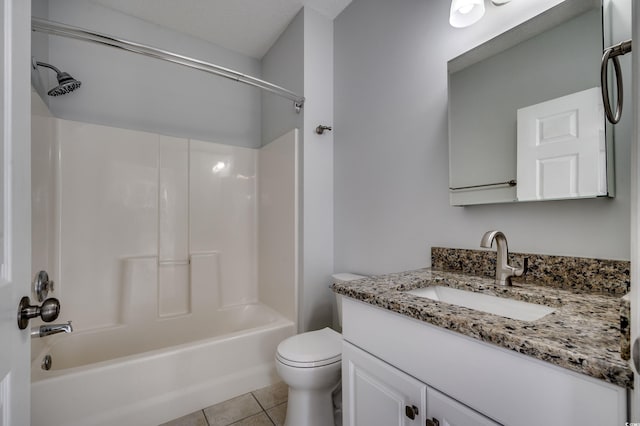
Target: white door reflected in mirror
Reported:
[(562, 148)]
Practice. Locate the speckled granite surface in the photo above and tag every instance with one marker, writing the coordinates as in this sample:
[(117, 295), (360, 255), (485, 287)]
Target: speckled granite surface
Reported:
[(583, 334), (625, 327), (571, 273)]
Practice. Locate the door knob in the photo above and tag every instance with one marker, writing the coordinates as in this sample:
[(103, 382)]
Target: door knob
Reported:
[(48, 311)]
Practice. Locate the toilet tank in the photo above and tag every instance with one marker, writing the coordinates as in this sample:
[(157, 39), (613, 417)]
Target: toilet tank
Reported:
[(344, 276)]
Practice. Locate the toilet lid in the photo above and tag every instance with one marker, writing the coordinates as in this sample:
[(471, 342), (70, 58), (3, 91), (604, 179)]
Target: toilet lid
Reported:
[(311, 349)]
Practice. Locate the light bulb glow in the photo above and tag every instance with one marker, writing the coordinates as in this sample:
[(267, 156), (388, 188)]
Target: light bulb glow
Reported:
[(220, 165), (465, 12), (466, 9)]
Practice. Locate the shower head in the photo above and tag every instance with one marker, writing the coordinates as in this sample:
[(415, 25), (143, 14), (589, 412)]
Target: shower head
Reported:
[(66, 83)]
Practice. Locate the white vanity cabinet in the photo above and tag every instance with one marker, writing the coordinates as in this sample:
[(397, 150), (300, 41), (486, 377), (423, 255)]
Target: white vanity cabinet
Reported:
[(391, 362), (445, 411), (375, 393)]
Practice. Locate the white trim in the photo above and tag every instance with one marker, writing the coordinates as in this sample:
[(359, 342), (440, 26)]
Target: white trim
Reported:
[(635, 213)]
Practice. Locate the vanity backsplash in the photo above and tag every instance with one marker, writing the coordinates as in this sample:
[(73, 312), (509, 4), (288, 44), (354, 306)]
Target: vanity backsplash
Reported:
[(579, 274)]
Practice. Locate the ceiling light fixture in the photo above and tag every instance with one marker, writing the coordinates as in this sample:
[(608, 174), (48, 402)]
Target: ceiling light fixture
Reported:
[(468, 12)]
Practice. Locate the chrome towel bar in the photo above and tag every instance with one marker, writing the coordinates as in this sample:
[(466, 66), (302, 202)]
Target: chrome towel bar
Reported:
[(511, 182)]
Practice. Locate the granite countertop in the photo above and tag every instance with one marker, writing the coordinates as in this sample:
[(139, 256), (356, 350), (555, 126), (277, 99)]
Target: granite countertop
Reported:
[(582, 334)]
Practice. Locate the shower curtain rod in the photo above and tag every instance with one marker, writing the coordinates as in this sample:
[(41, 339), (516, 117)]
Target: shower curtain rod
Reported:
[(63, 30)]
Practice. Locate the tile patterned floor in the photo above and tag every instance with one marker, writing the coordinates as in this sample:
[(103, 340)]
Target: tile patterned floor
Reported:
[(262, 407)]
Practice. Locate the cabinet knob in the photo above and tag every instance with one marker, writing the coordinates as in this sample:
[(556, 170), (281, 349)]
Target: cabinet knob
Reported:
[(411, 412), (433, 422)]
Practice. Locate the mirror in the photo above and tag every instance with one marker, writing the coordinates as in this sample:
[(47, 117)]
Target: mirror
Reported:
[(512, 89)]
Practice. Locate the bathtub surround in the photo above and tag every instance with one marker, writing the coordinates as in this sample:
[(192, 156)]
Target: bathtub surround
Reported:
[(191, 244), (278, 224), (135, 206)]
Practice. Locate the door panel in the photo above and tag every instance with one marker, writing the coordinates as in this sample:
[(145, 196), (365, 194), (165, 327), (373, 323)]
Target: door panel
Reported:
[(635, 214), (15, 220), (378, 394), (561, 148)]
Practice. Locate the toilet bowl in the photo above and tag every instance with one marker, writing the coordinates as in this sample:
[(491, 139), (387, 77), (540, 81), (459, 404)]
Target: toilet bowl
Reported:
[(310, 364)]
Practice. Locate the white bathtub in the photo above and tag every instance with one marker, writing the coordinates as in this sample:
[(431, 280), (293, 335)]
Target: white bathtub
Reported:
[(128, 376)]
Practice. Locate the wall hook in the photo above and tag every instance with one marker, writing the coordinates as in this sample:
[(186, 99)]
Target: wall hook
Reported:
[(320, 129)]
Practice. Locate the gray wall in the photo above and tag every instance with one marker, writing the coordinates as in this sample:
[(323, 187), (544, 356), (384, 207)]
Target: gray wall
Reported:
[(317, 182), (391, 160), (283, 65), (301, 60), (126, 90), (40, 50)]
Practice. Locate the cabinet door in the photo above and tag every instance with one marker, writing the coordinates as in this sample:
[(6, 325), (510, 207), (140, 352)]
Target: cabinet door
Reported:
[(445, 411), (377, 394)]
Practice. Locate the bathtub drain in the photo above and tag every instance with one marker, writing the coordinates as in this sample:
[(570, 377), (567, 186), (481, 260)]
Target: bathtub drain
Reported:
[(46, 362)]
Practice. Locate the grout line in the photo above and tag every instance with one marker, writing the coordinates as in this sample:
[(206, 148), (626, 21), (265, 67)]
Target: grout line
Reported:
[(251, 415), (254, 397), (255, 414), (263, 409), (206, 419), (269, 417)]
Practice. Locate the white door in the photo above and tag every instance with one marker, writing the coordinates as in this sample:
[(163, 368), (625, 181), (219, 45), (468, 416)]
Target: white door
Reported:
[(376, 393), (561, 148), (15, 215), (635, 212)]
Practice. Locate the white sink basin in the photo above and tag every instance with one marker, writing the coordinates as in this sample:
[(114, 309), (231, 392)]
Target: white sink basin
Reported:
[(514, 309)]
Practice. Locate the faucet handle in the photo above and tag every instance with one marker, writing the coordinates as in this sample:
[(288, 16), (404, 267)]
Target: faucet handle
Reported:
[(518, 272)]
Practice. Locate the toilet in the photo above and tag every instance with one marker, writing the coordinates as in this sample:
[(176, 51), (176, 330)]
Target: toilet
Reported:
[(310, 364)]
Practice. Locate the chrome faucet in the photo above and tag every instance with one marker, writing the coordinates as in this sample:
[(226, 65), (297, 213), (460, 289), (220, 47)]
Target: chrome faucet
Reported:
[(504, 271), (49, 329)]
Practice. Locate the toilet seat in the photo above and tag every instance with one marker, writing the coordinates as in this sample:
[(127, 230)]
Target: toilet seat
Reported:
[(311, 349)]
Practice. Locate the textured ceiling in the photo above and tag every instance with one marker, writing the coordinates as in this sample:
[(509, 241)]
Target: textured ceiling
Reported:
[(246, 26)]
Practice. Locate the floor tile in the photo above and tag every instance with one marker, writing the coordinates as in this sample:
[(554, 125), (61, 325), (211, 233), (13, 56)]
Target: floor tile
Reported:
[(230, 411), (277, 414), (273, 395), (193, 419), (260, 419)]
